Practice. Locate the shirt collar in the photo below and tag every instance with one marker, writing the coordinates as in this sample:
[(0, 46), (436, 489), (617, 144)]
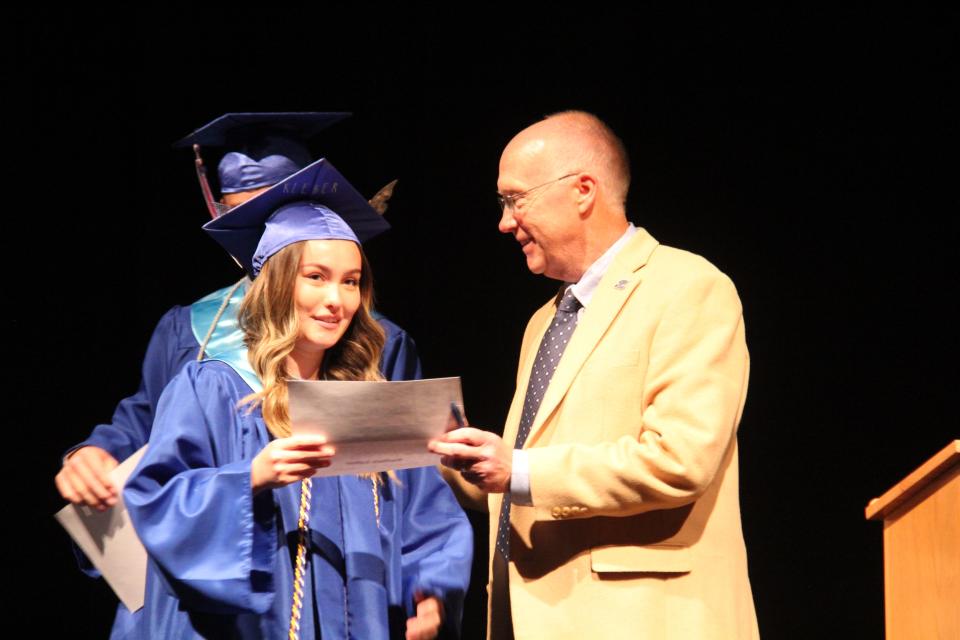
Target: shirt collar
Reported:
[(587, 285)]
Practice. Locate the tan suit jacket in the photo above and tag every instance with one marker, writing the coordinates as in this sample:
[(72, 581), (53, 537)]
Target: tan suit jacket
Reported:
[(635, 529)]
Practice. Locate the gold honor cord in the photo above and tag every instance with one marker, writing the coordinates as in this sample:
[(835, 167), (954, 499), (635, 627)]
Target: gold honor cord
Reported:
[(302, 544), (375, 481)]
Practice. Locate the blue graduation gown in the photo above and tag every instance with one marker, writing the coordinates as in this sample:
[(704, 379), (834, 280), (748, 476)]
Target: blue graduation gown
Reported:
[(176, 341), (221, 558)]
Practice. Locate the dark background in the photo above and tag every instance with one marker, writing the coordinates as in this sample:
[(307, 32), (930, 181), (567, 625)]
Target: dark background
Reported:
[(810, 155)]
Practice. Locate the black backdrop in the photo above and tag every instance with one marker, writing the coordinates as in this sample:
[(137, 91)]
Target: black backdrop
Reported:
[(809, 155)]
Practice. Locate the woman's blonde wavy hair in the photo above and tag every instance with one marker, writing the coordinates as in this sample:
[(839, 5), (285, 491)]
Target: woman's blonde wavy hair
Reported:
[(269, 321)]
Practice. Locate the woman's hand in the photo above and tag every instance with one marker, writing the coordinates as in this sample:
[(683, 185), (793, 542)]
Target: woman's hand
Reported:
[(286, 460), (426, 624)]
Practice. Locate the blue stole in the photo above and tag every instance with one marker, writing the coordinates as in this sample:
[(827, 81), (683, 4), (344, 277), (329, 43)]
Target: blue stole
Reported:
[(226, 341)]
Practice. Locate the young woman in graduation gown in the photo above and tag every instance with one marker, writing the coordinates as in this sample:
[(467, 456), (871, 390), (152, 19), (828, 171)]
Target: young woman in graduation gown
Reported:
[(242, 541)]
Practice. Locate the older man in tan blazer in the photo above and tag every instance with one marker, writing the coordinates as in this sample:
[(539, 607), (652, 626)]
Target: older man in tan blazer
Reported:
[(622, 517)]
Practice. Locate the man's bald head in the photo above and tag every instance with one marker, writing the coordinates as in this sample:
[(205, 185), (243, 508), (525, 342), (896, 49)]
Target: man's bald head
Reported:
[(562, 184), (577, 141)]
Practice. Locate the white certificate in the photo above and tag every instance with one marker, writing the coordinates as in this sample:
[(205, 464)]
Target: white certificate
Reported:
[(109, 541), (375, 426)]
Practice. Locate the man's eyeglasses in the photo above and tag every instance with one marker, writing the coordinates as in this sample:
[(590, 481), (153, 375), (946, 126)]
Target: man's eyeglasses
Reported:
[(509, 201)]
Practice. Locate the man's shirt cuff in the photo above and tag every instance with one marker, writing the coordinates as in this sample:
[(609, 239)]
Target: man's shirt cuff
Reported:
[(520, 479)]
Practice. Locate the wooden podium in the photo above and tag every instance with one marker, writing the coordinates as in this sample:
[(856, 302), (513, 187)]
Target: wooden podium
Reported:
[(921, 549)]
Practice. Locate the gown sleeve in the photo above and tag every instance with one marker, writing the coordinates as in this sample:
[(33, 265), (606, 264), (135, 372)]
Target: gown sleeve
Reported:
[(436, 537), (191, 502), (399, 360), (129, 428), (437, 540)]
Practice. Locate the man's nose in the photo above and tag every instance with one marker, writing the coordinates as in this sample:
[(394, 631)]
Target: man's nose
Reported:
[(508, 221)]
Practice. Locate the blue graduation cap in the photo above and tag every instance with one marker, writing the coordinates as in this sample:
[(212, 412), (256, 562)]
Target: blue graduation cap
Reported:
[(264, 148), (236, 129), (316, 203)]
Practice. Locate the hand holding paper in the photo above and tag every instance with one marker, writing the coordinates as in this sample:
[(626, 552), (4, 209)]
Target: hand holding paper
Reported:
[(374, 426), (110, 542), (287, 460), (481, 457), (85, 480)]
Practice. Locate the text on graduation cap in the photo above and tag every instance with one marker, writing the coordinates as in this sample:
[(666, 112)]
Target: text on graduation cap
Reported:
[(318, 189)]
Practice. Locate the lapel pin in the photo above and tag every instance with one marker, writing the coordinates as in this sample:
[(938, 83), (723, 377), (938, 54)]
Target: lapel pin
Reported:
[(620, 284)]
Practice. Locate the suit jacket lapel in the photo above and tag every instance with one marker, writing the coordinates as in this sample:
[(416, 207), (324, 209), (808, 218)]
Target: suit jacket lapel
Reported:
[(616, 286)]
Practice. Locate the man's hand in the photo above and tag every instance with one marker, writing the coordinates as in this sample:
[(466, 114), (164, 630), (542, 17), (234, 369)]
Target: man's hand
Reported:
[(286, 460), (481, 457), (83, 480), (426, 624)]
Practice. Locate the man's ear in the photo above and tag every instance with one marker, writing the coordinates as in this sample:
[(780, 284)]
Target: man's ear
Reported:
[(586, 186)]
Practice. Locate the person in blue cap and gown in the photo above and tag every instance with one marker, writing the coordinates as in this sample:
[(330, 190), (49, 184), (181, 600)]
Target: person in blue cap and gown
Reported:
[(266, 148), (242, 541)]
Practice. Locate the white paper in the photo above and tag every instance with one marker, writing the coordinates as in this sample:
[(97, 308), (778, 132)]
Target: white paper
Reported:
[(375, 426), (110, 542)]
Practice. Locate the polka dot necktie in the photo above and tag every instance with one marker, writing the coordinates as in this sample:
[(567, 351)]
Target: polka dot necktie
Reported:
[(548, 357)]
